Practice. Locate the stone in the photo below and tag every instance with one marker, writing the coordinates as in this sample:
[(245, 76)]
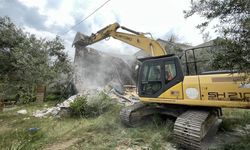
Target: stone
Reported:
[(23, 112)]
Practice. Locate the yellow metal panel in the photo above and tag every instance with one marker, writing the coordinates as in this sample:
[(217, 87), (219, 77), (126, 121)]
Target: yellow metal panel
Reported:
[(223, 87), (191, 88), (174, 92), (217, 90), (224, 104)]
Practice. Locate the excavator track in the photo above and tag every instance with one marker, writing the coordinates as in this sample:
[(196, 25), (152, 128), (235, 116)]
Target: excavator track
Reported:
[(137, 113), (191, 127), (129, 115)]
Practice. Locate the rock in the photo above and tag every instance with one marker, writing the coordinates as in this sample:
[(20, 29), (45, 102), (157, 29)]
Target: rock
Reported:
[(53, 111), (23, 112), (39, 114), (33, 130)]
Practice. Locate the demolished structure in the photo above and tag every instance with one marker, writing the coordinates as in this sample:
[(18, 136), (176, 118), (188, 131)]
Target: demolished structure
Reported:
[(94, 69)]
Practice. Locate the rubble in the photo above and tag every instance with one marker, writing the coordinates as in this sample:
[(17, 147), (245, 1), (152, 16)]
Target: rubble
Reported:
[(54, 111), (23, 112), (126, 97)]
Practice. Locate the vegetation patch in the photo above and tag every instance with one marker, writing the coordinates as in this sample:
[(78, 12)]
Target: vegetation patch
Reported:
[(243, 144), (233, 118), (91, 106)]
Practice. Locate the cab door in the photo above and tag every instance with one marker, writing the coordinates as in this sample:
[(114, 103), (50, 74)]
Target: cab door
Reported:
[(158, 74)]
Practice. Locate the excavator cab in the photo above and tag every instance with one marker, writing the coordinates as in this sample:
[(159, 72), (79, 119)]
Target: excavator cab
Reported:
[(158, 74)]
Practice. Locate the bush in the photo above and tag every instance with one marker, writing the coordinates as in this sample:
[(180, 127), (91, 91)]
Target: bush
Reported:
[(93, 106), (27, 97), (52, 97), (99, 104), (60, 91), (79, 106)]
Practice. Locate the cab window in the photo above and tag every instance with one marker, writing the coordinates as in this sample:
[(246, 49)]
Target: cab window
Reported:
[(151, 79), (154, 73), (170, 71)]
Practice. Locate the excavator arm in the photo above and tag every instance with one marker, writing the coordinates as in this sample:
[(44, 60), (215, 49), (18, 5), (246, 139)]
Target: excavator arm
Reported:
[(133, 38)]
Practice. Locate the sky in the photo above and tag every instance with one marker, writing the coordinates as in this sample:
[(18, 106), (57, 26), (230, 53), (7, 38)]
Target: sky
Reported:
[(48, 18)]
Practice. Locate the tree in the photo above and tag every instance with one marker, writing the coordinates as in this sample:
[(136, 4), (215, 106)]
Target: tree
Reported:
[(234, 26), (27, 61)]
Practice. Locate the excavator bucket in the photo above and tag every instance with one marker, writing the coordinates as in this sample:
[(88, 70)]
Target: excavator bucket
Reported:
[(81, 40)]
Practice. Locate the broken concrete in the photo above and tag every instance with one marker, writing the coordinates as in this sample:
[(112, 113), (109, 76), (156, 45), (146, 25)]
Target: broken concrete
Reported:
[(22, 112), (54, 111)]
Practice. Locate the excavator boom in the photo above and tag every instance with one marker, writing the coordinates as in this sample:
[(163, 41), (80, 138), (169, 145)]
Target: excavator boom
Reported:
[(133, 38)]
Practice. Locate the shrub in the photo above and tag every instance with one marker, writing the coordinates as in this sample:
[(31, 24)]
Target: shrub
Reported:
[(79, 106), (92, 106), (60, 91), (99, 104), (52, 97)]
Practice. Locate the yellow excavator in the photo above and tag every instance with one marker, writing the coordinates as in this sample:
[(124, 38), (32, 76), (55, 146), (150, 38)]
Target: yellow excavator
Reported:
[(195, 100)]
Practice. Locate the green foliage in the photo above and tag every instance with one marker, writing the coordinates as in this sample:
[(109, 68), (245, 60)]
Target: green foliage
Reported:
[(233, 51), (60, 91), (102, 132), (52, 97), (234, 27), (93, 106), (79, 106), (28, 61), (234, 118), (24, 139), (99, 104)]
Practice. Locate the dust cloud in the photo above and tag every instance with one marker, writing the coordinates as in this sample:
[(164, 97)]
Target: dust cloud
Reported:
[(95, 70)]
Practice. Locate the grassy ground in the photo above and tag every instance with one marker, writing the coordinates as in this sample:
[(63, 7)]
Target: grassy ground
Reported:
[(237, 121), (103, 132)]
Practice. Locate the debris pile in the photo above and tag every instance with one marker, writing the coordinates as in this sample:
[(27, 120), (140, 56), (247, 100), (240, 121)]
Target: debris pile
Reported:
[(95, 69), (54, 111), (126, 96)]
